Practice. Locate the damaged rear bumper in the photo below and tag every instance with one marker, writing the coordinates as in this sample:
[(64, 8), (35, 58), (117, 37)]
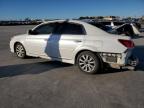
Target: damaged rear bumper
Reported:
[(119, 61)]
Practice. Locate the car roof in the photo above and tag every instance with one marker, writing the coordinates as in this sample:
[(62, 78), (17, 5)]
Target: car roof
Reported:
[(90, 29), (74, 21)]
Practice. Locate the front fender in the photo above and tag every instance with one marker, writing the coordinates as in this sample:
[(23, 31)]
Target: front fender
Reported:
[(16, 40)]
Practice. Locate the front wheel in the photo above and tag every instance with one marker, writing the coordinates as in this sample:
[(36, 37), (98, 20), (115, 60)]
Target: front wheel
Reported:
[(20, 50), (88, 62)]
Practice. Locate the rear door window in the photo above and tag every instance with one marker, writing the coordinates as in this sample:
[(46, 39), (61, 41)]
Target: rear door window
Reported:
[(73, 29)]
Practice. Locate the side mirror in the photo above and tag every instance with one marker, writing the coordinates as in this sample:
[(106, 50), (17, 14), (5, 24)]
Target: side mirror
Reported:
[(30, 31)]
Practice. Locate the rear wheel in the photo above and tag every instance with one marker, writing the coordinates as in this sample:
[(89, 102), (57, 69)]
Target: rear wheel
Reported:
[(20, 50), (88, 62)]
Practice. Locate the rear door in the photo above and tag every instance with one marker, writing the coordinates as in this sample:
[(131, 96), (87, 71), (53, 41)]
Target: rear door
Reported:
[(71, 37)]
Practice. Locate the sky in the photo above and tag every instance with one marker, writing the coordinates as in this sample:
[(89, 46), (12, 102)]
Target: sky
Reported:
[(67, 9)]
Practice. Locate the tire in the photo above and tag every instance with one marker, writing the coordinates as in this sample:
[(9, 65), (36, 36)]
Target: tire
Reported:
[(20, 50), (88, 62)]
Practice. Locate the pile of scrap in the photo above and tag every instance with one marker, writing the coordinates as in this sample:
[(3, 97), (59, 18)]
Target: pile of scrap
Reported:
[(120, 28), (126, 29)]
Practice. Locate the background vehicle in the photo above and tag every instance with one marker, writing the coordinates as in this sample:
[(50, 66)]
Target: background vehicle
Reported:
[(77, 43)]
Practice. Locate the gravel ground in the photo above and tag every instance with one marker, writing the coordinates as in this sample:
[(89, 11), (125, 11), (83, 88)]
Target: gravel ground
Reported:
[(39, 83)]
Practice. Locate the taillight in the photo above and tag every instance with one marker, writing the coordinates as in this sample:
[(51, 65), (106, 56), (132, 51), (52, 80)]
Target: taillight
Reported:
[(127, 43)]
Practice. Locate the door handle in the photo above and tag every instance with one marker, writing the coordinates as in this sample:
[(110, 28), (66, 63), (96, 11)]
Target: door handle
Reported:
[(77, 41), (45, 39)]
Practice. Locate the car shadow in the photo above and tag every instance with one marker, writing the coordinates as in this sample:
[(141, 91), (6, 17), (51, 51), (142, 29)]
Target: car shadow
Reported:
[(139, 52), (109, 70), (30, 68)]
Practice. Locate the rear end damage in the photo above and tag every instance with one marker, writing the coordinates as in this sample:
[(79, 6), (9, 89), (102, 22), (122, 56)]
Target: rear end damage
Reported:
[(121, 60)]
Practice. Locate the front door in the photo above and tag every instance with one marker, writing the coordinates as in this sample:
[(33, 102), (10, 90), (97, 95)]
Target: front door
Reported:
[(38, 42)]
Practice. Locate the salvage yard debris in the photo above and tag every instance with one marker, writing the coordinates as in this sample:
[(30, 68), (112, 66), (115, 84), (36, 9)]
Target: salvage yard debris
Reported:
[(121, 28)]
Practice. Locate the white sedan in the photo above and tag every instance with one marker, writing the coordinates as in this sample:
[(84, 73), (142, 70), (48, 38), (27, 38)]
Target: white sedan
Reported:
[(75, 42)]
